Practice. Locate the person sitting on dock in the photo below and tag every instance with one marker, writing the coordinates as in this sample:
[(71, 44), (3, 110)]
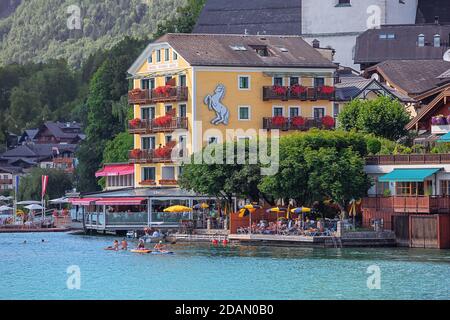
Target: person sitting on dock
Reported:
[(124, 244), (159, 247)]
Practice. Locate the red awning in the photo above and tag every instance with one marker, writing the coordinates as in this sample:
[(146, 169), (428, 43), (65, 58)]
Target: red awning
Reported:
[(115, 170), (120, 201), (82, 201)]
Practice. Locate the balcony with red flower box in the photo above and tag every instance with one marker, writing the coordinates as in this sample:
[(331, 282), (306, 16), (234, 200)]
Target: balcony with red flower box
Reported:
[(165, 123), (161, 94), (298, 123), (298, 92), (160, 155)]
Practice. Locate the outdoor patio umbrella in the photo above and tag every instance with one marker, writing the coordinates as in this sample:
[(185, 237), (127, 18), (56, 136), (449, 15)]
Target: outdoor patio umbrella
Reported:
[(59, 201), (177, 209), (251, 208), (5, 208), (28, 202), (302, 211), (201, 206), (34, 207)]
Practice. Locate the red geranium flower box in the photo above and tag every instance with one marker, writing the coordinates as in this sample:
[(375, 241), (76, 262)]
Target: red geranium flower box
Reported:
[(135, 153), (135, 123), (298, 89), (327, 90), (328, 121), (278, 120), (298, 121), (279, 90)]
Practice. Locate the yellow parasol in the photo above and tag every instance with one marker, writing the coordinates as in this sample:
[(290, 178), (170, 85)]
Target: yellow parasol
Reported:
[(245, 212), (177, 209)]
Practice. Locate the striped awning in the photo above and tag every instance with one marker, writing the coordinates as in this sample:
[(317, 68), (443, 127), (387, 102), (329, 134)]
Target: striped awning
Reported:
[(120, 201)]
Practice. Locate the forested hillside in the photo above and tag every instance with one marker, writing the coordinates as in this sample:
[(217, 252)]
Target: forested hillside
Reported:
[(37, 31), (7, 7)]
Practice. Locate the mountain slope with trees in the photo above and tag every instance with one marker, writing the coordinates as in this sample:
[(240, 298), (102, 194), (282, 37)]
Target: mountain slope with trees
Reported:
[(38, 29)]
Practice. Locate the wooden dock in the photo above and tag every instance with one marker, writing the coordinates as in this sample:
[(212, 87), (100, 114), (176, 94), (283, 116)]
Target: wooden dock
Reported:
[(362, 240)]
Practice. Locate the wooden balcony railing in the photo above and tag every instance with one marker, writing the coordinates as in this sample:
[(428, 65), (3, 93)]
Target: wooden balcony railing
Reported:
[(409, 204), (149, 126), (286, 93), (6, 181), (147, 96), (428, 158), (304, 125)]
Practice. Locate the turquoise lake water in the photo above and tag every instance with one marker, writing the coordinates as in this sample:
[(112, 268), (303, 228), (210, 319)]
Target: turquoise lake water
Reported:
[(37, 270)]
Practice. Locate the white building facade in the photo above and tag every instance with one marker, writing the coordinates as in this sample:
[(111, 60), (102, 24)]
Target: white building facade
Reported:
[(337, 23)]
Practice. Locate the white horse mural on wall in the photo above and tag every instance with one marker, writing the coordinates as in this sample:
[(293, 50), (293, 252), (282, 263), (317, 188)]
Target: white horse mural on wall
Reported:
[(214, 102)]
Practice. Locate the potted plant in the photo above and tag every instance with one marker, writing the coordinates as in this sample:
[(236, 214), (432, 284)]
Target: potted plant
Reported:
[(297, 89), (163, 90), (278, 120), (326, 89), (279, 90), (135, 123), (328, 121), (162, 121), (298, 121), (439, 120), (135, 153)]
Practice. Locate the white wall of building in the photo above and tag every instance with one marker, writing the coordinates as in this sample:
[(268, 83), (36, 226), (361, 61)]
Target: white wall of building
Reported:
[(338, 26)]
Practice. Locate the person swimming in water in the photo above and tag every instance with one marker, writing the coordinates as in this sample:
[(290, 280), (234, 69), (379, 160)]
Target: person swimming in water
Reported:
[(160, 247), (116, 245), (124, 244)]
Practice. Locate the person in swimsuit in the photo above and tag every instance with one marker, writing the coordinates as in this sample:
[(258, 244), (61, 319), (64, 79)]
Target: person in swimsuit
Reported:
[(124, 244)]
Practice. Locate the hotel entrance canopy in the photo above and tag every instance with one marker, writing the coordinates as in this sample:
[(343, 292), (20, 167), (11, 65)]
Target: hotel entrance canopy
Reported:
[(408, 175)]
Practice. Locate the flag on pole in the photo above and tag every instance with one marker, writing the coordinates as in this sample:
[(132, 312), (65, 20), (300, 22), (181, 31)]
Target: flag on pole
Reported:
[(44, 186), (16, 185)]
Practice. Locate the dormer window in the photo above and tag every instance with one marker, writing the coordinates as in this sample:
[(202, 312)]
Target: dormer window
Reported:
[(421, 40), (437, 41), (261, 50), (158, 56)]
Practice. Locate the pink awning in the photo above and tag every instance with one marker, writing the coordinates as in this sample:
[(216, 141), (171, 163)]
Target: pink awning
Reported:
[(82, 201), (115, 170), (120, 201)]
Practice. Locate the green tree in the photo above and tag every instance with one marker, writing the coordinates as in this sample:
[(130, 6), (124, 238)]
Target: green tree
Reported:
[(184, 20), (313, 167), (58, 183), (117, 149), (107, 86), (383, 117), (224, 180)]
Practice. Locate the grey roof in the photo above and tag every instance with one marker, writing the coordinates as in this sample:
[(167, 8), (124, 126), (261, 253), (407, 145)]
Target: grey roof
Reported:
[(10, 169), (429, 9), (145, 192), (412, 76), (59, 129), (38, 151), (351, 87), (216, 50), (370, 49), (444, 75), (262, 16)]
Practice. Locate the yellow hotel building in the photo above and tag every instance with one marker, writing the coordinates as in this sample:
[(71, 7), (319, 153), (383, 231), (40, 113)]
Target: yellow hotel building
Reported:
[(191, 88)]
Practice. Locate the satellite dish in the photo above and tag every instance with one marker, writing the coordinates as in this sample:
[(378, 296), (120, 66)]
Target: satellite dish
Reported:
[(447, 56), (376, 76)]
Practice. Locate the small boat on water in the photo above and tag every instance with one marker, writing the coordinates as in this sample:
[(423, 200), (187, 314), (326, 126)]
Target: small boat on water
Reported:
[(141, 251)]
